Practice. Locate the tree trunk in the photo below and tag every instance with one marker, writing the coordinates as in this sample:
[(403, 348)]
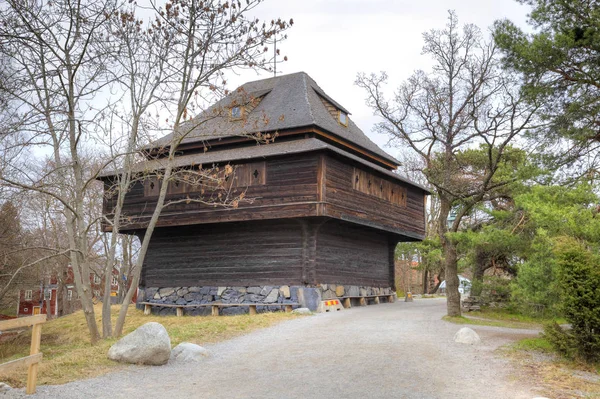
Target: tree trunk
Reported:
[(452, 281), (450, 260)]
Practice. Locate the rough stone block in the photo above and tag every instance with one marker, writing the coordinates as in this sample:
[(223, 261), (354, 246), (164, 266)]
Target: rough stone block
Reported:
[(339, 290), (352, 290), (230, 294), (164, 292), (182, 291), (221, 290), (150, 292), (272, 297), (285, 291), (195, 289), (241, 290), (309, 297), (253, 290), (363, 292), (328, 294), (266, 290), (254, 298), (294, 294)]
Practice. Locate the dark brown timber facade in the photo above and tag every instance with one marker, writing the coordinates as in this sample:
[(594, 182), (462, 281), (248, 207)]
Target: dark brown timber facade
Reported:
[(327, 209)]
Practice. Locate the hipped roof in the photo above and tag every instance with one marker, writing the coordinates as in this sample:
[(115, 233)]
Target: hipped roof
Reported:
[(286, 102)]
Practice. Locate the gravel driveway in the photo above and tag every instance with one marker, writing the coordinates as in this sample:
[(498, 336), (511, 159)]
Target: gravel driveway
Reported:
[(400, 350)]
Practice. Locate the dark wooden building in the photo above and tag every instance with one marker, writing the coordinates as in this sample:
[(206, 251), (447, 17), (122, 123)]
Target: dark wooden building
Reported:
[(327, 209)]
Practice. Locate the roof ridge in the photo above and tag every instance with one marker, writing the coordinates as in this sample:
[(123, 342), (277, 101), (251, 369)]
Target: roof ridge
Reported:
[(312, 117)]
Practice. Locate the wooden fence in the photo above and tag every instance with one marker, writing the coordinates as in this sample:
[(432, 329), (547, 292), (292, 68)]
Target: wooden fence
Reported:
[(35, 356)]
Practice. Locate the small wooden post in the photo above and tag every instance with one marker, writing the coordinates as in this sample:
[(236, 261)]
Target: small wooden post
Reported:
[(376, 300), (347, 303), (252, 309), (391, 299), (215, 310), (147, 309), (179, 312), (363, 302), (36, 337), (288, 308)]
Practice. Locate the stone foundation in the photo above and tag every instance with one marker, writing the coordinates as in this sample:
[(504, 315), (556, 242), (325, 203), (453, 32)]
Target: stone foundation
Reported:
[(306, 296)]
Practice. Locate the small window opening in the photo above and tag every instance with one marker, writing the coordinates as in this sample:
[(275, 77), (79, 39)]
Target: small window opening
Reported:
[(236, 112), (356, 179), (369, 184), (255, 174), (381, 187), (152, 185), (343, 118)]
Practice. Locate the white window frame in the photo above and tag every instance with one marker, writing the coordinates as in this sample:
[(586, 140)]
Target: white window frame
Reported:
[(47, 294), (28, 295), (115, 280), (96, 279), (69, 295)]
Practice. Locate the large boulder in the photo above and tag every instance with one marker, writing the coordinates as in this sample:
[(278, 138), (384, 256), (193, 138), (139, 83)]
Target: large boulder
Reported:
[(467, 336), (149, 344), (188, 352)]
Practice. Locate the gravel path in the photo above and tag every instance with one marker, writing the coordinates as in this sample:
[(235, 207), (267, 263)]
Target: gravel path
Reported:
[(400, 350)]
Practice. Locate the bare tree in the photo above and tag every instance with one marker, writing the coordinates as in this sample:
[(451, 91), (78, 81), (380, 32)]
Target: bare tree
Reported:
[(84, 76), (178, 64), (460, 119)]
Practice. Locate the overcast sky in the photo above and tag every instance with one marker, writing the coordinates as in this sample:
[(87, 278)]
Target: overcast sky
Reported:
[(333, 40)]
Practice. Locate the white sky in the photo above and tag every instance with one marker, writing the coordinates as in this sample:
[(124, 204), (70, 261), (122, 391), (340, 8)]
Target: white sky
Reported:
[(333, 40)]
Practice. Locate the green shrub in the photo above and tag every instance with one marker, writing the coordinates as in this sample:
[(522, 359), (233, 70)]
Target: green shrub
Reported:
[(579, 283), (495, 289)]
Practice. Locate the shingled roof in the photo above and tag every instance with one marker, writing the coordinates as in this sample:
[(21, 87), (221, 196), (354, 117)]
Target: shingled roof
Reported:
[(284, 102)]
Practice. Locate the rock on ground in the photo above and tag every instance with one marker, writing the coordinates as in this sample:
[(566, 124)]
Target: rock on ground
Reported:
[(4, 387), (188, 352), (148, 344), (467, 336), (301, 311)]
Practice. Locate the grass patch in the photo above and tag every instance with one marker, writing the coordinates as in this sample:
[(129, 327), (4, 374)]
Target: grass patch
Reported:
[(68, 355), (558, 378), (482, 322), (538, 344), (507, 315), (502, 318)]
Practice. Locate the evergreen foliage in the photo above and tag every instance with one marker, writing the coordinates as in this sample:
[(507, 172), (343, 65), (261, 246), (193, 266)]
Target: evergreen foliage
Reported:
[(579, 282)]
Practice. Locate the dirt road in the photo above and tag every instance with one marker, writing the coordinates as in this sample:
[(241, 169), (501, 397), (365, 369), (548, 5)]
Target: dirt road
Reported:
[(400, 350)]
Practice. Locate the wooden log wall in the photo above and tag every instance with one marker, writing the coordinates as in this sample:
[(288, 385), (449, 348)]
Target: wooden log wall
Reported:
[(274, 252), (230, 254), (352, 254), (289, 190), (346, 198)]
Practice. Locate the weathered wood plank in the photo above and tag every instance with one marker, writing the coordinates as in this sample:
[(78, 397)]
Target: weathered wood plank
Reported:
[(19, 363), (22, 322)]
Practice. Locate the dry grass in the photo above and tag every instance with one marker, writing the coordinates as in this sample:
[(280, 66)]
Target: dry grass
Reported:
[(481, 321), (556, 378), (68, 355)]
